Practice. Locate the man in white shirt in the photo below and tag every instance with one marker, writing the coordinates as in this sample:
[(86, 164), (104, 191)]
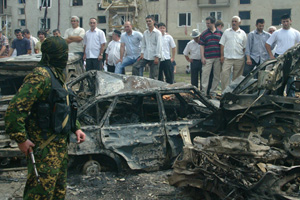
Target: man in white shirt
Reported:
[(193, 56), (284, 38), (74, 37), (131, 40), (94, 44), (32, 39), (233, 43), (151, 50), (165, 66), (113, 51)]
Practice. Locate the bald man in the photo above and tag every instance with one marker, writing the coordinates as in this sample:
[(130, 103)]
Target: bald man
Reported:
[(132, 41)]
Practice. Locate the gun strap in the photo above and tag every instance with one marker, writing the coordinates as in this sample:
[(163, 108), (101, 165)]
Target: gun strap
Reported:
[(43, 145)]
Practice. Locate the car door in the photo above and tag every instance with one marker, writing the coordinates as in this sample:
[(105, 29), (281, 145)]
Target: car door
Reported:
[(180, 108), (91, 117), (134, 130)]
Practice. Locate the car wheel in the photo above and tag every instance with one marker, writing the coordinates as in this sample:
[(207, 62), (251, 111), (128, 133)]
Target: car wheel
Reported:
[(91, 168)]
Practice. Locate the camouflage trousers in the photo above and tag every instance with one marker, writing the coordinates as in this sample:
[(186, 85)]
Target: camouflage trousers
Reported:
[(52, 164)]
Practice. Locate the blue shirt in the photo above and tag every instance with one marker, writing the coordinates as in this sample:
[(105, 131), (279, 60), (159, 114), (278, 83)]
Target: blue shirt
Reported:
[(21, 46), (132, 44), (255, 47)]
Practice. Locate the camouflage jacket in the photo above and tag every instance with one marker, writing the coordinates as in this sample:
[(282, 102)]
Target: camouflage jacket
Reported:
[(20, 118)]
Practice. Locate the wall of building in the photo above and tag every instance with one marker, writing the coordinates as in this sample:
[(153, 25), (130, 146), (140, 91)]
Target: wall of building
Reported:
[(168, 11), (34, 14)]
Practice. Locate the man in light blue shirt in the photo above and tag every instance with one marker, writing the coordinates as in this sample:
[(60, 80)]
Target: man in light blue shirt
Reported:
[(256, 51), (131, 40)]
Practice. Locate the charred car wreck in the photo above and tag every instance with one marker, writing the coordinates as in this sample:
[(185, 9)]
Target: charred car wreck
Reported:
[(253, 149), (133, 121)]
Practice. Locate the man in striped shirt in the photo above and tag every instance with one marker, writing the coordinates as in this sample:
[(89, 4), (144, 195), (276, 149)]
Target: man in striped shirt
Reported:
[(210, 56)]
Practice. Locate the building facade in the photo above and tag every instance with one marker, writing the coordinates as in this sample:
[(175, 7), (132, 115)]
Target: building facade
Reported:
[(180, 16)]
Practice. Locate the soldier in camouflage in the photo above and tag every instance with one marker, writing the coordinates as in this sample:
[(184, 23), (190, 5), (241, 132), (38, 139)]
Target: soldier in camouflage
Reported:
[(21, 123)]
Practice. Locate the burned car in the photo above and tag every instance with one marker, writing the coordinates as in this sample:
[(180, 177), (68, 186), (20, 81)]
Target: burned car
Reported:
[(130, 122), (133, 121), (253, 150)]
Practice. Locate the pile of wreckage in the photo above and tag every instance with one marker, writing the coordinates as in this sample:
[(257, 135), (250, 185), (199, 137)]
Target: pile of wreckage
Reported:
[(254, 148), (245, 146)]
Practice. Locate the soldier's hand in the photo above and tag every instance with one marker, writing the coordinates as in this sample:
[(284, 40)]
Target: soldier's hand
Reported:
[(25, 146), (80, 136)]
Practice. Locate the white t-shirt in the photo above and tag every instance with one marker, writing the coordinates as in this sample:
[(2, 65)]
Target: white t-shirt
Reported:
[(93, 40), (192, 48), (75, 46), (284, 39), (113, 52), (234, 43), (167, 44)]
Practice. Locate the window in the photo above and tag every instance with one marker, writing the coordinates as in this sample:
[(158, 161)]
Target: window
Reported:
[(80, 22), (104, 30), (21, 11), (184, 19), (94, 114), (44, 24), (212, 1), (244, 14), (215, 14), (99, 6), (77, 3), (134, 110), (245, 1), (45, 3), (156, 18), (182, 106), (22, 22), (102, 19), (152, 0), (276, 15), (22, 1), (245, 28), (181, 45)]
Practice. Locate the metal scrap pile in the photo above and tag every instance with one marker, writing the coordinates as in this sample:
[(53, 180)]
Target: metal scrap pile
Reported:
[(237, 168), (253, 149)]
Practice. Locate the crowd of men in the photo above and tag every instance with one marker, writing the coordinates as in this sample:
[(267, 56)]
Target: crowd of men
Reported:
[(221, 57), (215, 57)]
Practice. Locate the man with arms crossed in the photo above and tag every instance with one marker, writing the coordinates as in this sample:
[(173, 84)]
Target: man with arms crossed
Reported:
[(151, 50), (94, 44), (131, 40), (74, 37), (284, 38)]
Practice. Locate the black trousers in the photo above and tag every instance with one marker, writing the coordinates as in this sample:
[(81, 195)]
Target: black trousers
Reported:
[(111, 68), (196, 72), (165, 68), (93, 64)]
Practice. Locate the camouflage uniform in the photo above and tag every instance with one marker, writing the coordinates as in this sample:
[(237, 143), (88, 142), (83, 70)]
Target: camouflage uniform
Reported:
[(21, 123)]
